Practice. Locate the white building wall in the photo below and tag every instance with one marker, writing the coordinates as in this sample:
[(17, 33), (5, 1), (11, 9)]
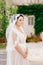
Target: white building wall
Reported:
[(29, 29)]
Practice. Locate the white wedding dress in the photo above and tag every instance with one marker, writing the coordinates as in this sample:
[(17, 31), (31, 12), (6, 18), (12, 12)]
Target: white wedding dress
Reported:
[(13, 56)]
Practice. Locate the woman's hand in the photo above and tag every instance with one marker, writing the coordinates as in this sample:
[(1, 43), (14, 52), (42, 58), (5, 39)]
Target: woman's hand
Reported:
[(25, 55)]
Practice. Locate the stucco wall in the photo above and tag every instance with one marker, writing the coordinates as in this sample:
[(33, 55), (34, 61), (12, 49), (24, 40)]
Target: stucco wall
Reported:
[(23, 2)]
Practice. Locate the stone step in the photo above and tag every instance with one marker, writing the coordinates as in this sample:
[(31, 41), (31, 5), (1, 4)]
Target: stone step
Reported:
[(2, 51), (2, 63), (3, 57), (2, 60)]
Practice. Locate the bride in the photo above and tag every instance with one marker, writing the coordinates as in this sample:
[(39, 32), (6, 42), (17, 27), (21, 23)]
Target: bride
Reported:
[(17, 50)]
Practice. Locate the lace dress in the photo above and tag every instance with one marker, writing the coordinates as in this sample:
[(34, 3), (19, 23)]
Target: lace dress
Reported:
[(13, 56)]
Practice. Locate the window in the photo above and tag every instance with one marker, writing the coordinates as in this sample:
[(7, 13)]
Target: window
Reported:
[(31, 20)]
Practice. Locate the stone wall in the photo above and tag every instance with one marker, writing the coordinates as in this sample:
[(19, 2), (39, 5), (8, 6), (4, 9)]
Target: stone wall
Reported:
[(23, 2)]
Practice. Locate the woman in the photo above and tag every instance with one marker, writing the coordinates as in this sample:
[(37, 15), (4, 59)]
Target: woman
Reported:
[(17, 51)]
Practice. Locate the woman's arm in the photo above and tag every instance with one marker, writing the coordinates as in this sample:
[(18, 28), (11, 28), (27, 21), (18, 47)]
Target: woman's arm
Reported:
[(24, 54), (17, 47)]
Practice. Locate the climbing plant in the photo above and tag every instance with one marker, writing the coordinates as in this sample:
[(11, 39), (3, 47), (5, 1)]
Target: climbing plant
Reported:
[(37, 11)]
